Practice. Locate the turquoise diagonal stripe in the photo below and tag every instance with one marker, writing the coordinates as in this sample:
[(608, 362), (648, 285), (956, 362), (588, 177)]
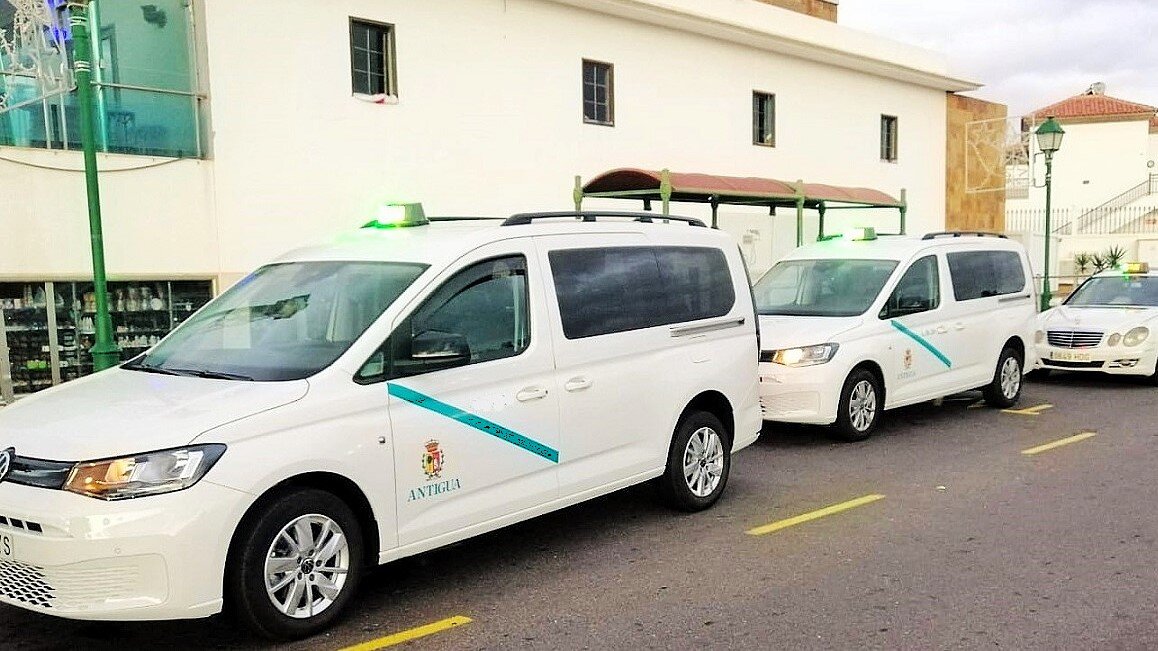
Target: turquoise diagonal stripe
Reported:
[(924, 343), (471, 420)]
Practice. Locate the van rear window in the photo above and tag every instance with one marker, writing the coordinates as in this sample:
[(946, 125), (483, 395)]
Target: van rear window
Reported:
[(616, 289), (978, 274)]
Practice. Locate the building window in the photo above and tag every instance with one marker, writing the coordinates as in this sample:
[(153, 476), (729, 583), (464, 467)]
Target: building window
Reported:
[(372, 58), (763, 119), (598, 93), (889, 138)]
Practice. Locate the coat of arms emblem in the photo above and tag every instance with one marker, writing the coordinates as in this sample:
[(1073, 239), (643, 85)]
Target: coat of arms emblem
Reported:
[(908, 358), (432, 459)]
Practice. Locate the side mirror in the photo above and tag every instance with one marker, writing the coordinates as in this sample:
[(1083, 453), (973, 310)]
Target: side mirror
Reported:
[(440, 348)]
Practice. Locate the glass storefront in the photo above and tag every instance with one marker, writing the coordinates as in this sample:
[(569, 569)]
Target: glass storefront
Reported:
[(47, 328), (144, 78)]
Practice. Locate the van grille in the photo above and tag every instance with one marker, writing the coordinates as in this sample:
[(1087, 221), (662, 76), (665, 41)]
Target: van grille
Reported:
[(26, 584), (17, 523), (1074, 338)]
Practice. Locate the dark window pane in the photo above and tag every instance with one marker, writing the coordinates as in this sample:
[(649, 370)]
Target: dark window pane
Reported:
[(601, 291), (697, 281), (978, 274), (919, 290)]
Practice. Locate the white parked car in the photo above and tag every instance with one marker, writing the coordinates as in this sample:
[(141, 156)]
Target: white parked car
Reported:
[(1106, 325), (396, 390), (859, 324)]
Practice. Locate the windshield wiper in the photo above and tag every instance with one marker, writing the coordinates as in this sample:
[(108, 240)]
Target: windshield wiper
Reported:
[(211, 375), (150, 369)]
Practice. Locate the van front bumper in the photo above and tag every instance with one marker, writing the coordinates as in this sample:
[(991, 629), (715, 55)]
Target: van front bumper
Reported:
[(805, 395), (156, 557)]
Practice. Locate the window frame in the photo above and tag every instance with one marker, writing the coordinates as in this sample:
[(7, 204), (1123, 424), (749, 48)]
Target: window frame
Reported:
[(887, 314), (389, 58), (769, 114), (610, 67), (387, 348), (890, 129), (991, 253)]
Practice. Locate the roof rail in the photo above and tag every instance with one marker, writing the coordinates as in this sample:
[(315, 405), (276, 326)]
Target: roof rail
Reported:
[(522, 219), (933, 236), (468, 218)]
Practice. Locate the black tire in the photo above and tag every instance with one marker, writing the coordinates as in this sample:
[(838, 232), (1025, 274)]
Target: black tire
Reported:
[(1005, 389), (691, 493), (245, 579), (851, 424)]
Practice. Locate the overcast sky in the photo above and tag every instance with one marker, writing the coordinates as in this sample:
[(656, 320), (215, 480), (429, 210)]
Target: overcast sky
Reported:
[(1028, 53)]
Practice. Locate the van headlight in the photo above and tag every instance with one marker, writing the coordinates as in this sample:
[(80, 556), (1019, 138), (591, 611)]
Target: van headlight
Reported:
[(139, 475), (804, 356), (1135, 336)]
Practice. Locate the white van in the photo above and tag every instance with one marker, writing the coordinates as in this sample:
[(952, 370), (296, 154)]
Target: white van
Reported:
[(858, 324), (401, 388)]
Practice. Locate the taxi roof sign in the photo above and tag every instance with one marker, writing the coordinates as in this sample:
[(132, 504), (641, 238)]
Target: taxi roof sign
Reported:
[(1137, 267), (398, 215), (861, 234)]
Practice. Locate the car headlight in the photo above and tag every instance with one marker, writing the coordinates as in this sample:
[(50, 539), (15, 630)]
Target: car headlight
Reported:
[(1136, 336), (1038, 337), (139, 475), (1114, 339), (804, 356)]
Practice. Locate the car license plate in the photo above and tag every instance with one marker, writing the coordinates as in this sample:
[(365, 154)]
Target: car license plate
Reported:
[(7, 551), (1067, 356)]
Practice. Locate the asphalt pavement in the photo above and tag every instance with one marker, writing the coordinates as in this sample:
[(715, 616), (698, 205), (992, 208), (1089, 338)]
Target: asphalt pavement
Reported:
[(939, 532)]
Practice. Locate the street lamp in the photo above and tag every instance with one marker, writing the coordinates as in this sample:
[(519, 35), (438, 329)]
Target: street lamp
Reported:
[(1049, 139)]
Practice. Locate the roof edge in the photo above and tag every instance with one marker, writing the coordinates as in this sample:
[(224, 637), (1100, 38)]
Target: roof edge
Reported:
[(773, 29)]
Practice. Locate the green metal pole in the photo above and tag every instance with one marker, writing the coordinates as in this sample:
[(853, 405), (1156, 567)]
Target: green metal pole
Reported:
[(904, 209), (1046, 294), (105, 353), (665, 190), (800, 212), (577, 193), (820, 228)]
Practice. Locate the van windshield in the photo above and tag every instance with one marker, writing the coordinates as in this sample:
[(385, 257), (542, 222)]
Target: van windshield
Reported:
[(282, 322), (822, 287), (1123, 291)]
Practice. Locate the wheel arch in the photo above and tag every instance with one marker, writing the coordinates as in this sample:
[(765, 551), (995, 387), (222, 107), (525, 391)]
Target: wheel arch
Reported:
[(718, 405), (872, 367), (342, 487), (1017, 345)]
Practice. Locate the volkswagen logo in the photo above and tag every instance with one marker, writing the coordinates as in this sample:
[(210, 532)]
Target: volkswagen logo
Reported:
[(6, 462)]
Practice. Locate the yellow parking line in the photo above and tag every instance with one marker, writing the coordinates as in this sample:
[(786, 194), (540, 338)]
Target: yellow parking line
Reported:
[(412, 634), (1028, 411), (1057, 444), (814, 515)]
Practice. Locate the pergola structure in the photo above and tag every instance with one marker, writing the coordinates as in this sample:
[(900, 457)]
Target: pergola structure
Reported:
[(667, 186)]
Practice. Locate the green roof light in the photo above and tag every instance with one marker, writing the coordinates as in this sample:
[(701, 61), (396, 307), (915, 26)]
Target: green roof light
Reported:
[(398, 215)]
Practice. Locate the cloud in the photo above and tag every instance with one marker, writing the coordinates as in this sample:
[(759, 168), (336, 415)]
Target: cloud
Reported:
[(1029, 53)]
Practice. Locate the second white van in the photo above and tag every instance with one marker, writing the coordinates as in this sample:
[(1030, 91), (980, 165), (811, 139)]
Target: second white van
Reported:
[(858, 324)]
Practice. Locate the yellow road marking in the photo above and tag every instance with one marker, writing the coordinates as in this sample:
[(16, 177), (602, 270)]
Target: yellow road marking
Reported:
[(1057, 444), (814, 515), (412, 634), (1029, 411)]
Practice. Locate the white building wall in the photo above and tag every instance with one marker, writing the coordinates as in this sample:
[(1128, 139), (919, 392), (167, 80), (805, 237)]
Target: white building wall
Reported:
[(489, 122), (1097, 162), (158, 216)]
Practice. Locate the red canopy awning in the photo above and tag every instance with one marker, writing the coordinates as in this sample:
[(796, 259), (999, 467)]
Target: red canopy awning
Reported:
[(747, 190)]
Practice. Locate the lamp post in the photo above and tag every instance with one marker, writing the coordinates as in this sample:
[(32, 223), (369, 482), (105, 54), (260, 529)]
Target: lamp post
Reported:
[(1049, 139), (105, 353)]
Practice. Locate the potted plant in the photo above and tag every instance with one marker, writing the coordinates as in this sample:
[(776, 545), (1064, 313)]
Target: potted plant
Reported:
[(1082, 262), (1114, 256)]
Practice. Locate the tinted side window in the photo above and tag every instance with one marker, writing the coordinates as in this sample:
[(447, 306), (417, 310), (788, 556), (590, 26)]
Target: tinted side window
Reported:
[(977, 274), (607, 290), (479, 315), (697, 281), (919, 290)]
